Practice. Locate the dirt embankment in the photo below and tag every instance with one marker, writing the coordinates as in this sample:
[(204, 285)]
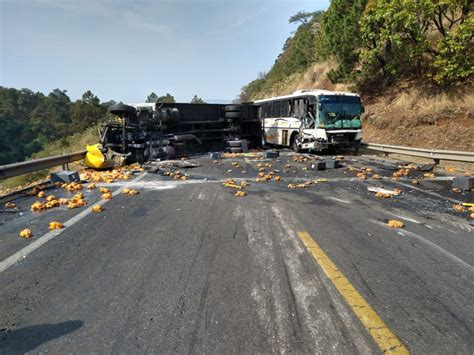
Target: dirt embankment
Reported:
[(409, 116)]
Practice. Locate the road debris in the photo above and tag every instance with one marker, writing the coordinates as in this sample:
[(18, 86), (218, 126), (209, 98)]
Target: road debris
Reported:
[(26, 233), (64, 176), (91, 186), (231, 155), (55, 225), (106, 196), (380, 192), (77, 201), (97, 208), (269, 154), (37, 206), (459, 208), (240, 193), (463, 182), (10, 205), (232, 186), (393, 223), (73, 186), (41, 194), (376, 177), (317, 181)]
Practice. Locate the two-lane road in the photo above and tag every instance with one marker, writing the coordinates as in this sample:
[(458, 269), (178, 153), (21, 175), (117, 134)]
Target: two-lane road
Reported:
[(186, 267)]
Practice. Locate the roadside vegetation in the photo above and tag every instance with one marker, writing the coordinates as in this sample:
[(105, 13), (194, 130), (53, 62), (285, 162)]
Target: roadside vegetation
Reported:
[(412, 63)]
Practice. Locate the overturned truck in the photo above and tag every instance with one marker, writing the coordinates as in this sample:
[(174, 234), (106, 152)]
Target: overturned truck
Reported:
[(147, 131)]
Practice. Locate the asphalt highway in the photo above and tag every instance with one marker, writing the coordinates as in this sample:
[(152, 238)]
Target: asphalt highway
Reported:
[(187, 267)]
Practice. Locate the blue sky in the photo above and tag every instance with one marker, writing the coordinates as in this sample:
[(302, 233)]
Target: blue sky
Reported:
[(124, 49)]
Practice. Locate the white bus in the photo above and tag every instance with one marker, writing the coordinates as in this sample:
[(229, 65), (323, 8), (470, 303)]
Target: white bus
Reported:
[(312, 119)]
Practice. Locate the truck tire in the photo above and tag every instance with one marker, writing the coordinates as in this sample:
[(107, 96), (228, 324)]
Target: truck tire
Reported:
[(234, 144), (120, 109), (232, 108), (232, 114)]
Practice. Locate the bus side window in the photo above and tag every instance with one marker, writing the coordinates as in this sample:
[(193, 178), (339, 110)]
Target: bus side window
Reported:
[(284, 108), (276, 109), (290, 108), (266, 109)]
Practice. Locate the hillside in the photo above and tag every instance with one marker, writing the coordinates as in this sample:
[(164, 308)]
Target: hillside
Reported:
[(413, 72)]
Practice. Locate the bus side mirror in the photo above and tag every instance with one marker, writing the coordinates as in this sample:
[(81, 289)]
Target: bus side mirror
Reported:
[(363, 109)]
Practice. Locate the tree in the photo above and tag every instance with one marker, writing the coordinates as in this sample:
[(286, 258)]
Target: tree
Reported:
[(87, 111), (167, 99), (302, 17), (429, 38), (152, 98), (197, 100), (340, 36)]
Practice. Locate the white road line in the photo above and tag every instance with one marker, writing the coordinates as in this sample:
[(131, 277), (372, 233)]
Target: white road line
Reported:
[(19, 255), (403, 217), (338, 199), (446, 253)]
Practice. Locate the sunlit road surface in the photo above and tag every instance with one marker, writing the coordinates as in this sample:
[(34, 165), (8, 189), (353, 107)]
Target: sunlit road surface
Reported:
[(187, 267)]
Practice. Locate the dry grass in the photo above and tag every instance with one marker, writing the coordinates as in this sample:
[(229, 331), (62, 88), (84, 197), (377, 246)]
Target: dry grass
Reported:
[(314, 77), (433, 105), (70, 144), (409, 116)]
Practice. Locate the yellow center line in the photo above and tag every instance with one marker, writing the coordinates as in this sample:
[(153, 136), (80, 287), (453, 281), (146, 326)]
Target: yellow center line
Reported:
[(382, 335)]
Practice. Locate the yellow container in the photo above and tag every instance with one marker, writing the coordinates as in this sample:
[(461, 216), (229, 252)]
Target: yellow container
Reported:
[(95, 159)]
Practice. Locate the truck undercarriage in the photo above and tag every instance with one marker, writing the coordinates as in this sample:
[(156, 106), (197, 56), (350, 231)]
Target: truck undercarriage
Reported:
[(164, 130)]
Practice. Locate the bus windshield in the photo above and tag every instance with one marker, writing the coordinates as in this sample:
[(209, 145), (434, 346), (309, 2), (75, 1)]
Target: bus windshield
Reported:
[(337, 107)]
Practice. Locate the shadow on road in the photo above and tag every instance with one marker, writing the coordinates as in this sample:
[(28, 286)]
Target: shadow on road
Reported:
[(28, 338)]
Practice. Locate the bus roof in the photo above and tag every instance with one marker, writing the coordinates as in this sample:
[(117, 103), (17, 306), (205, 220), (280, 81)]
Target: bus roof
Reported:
[(307, 92)]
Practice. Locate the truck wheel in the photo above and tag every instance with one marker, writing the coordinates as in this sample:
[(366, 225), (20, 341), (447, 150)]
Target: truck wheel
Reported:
[(232, 108), (121, 109), (294, 143), (232, 114)]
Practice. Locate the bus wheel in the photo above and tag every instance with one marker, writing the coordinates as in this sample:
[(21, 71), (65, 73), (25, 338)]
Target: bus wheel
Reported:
[(294, 143)]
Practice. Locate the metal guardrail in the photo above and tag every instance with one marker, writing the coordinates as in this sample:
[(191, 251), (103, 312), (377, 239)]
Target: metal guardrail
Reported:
[(10, 170), (435, 154)]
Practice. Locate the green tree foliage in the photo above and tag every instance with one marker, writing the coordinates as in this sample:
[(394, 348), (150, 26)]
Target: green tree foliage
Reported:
[(455, 60), (429, 38), (30, 120), (340, 36), (197, 100), (167, 99), (152, 98), (86, 112)]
